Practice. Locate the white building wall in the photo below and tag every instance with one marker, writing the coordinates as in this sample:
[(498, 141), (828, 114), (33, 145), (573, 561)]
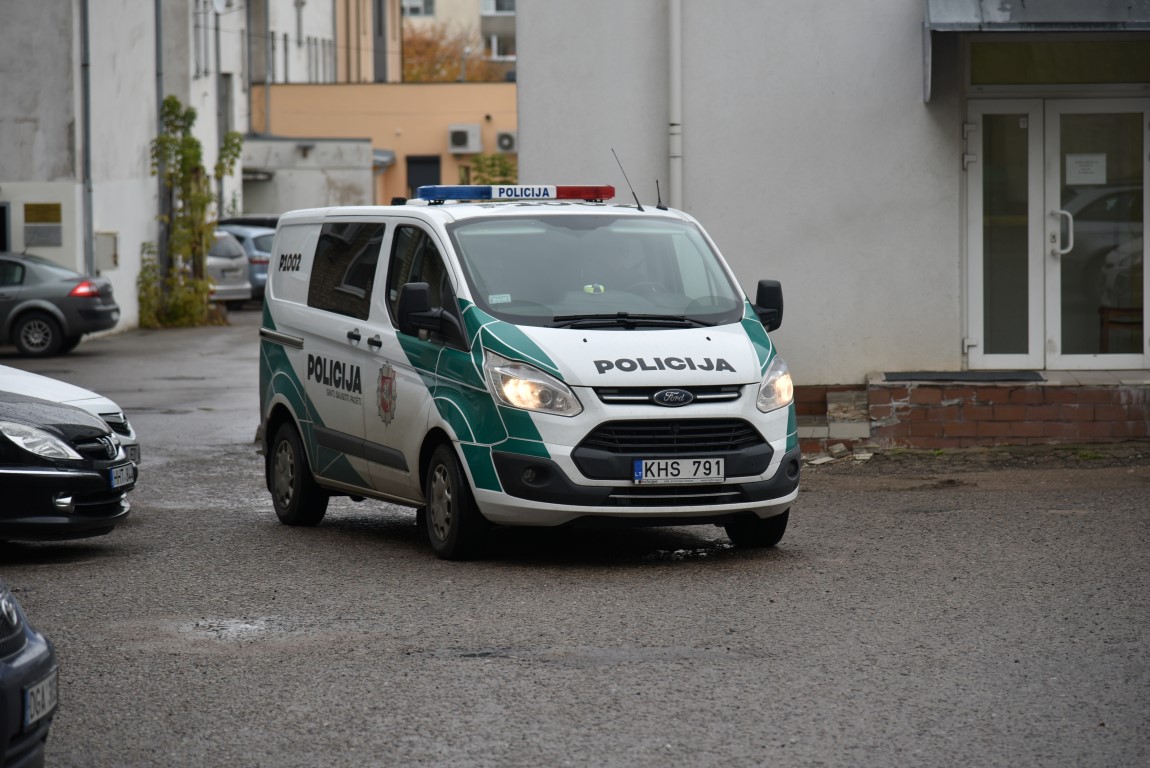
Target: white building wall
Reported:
[(123, 99), (310, 55), (807, 154)]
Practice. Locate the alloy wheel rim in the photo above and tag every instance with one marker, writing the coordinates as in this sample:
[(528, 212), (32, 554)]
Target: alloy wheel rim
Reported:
[(284, 474), (439, 505), (36, 335)]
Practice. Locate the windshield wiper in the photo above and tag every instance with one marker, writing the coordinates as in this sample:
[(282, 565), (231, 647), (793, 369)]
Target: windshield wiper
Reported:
[(626, 320)]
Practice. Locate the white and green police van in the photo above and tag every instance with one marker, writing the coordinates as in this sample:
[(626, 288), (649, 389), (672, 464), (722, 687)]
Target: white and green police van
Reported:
[(531, 356)]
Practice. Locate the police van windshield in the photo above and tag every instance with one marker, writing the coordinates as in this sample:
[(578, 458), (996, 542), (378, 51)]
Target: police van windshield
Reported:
[(595, 271)]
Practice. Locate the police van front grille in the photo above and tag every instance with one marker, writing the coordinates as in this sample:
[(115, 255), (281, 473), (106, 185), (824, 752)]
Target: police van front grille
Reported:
[(646, 395), (682, 437), (677, 496)]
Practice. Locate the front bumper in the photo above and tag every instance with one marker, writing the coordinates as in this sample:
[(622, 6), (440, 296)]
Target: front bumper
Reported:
[(19, 747), (46, 504), (551, 498)]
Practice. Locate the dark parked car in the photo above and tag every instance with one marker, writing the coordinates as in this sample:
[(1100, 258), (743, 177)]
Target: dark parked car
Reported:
[(28, 684), (63, 472), (46, 308)]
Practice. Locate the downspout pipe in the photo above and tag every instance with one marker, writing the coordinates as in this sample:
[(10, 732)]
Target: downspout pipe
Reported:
[(675, 100), (86, 141), (162, 188), (219, 119)]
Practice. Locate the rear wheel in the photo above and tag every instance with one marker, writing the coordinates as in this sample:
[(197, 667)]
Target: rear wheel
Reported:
[(37, 334), (455, 527), (296, 497), (752, 531)]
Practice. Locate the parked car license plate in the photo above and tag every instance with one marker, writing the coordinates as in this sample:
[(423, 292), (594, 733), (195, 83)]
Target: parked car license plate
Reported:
[(122, 475), (40, 699), (133, 452), (674, 471)]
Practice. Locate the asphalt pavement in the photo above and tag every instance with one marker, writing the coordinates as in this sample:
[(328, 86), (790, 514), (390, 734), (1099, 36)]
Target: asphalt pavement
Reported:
[(917, 613)]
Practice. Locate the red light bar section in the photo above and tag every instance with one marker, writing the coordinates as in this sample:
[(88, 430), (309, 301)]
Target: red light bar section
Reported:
[(588, 192)]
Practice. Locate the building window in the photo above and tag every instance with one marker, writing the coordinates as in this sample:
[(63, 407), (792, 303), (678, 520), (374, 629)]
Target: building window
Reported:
[(418, 7), (498, 6)]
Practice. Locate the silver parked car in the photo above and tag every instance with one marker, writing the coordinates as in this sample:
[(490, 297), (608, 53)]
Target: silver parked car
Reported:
[(228, 270), (35, 385), (257, 243), (46, 308)]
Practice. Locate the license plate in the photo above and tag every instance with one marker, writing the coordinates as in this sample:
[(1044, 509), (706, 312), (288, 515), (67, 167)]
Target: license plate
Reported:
[(122, 475), (677, 471), (133, 452), (40, 699)]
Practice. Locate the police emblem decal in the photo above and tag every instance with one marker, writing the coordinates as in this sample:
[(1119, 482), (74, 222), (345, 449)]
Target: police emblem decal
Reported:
[(386, 393)]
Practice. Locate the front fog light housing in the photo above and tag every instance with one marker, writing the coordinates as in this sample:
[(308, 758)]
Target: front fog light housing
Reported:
[(524, 386), (777, 389)]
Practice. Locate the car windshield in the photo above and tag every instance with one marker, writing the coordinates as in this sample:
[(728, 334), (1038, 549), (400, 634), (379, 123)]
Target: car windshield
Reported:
[(595, 271)]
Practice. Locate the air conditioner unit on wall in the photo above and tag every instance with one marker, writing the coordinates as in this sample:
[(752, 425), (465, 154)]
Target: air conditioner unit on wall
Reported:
[(507, 141), (464, 139)]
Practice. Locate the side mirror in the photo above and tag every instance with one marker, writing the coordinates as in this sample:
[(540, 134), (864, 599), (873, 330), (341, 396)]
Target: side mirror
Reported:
[(415, 314), (769, 304)]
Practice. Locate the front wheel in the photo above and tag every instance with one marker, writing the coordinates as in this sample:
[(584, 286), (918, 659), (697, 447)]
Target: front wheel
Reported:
[(455, 527), (296, 497), (756, 532)]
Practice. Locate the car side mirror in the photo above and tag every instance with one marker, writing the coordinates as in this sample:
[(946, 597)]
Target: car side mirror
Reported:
[(415, 314), (769, 304)]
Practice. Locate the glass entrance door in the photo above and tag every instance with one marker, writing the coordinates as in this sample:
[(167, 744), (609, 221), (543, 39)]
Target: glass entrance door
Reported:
[(1056, 208), (1095, 174)]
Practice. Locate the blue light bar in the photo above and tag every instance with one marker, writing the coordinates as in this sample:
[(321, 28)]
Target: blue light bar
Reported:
[(442, 192)]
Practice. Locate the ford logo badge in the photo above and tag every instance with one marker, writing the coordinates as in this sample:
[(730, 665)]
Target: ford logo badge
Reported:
[(673, 398)]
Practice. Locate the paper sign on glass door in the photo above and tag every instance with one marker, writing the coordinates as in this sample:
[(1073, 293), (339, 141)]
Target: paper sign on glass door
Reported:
[(1085, 169)]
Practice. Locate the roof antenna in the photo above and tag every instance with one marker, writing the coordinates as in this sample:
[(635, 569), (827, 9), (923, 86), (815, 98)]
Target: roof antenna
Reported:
[(637, 203), (659, 195)]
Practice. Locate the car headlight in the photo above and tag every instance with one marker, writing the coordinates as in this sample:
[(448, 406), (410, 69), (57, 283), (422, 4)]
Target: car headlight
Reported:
[(524, 386), (38, 441), (777, 389)]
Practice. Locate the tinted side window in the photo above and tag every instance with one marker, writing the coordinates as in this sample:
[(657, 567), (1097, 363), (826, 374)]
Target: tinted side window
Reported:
[(344, 268), (11, 273), (415, 259)]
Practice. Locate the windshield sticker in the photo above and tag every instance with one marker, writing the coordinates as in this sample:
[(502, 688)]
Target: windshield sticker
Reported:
[(499, 298), (626, 365), (386, 393)]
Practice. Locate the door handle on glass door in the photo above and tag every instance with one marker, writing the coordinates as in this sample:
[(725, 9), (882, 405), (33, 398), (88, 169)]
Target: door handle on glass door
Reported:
[(1056, 251)]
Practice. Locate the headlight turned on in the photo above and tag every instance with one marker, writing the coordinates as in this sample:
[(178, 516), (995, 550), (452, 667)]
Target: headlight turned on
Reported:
[(777, 389), (524, 386)]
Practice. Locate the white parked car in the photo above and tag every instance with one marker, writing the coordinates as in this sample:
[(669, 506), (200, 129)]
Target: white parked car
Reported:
[(45, 388)]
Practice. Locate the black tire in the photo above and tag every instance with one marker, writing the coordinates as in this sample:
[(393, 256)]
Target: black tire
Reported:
[(296, 497), (455, 528), (37, 334), (70, 343), (754, 532)]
